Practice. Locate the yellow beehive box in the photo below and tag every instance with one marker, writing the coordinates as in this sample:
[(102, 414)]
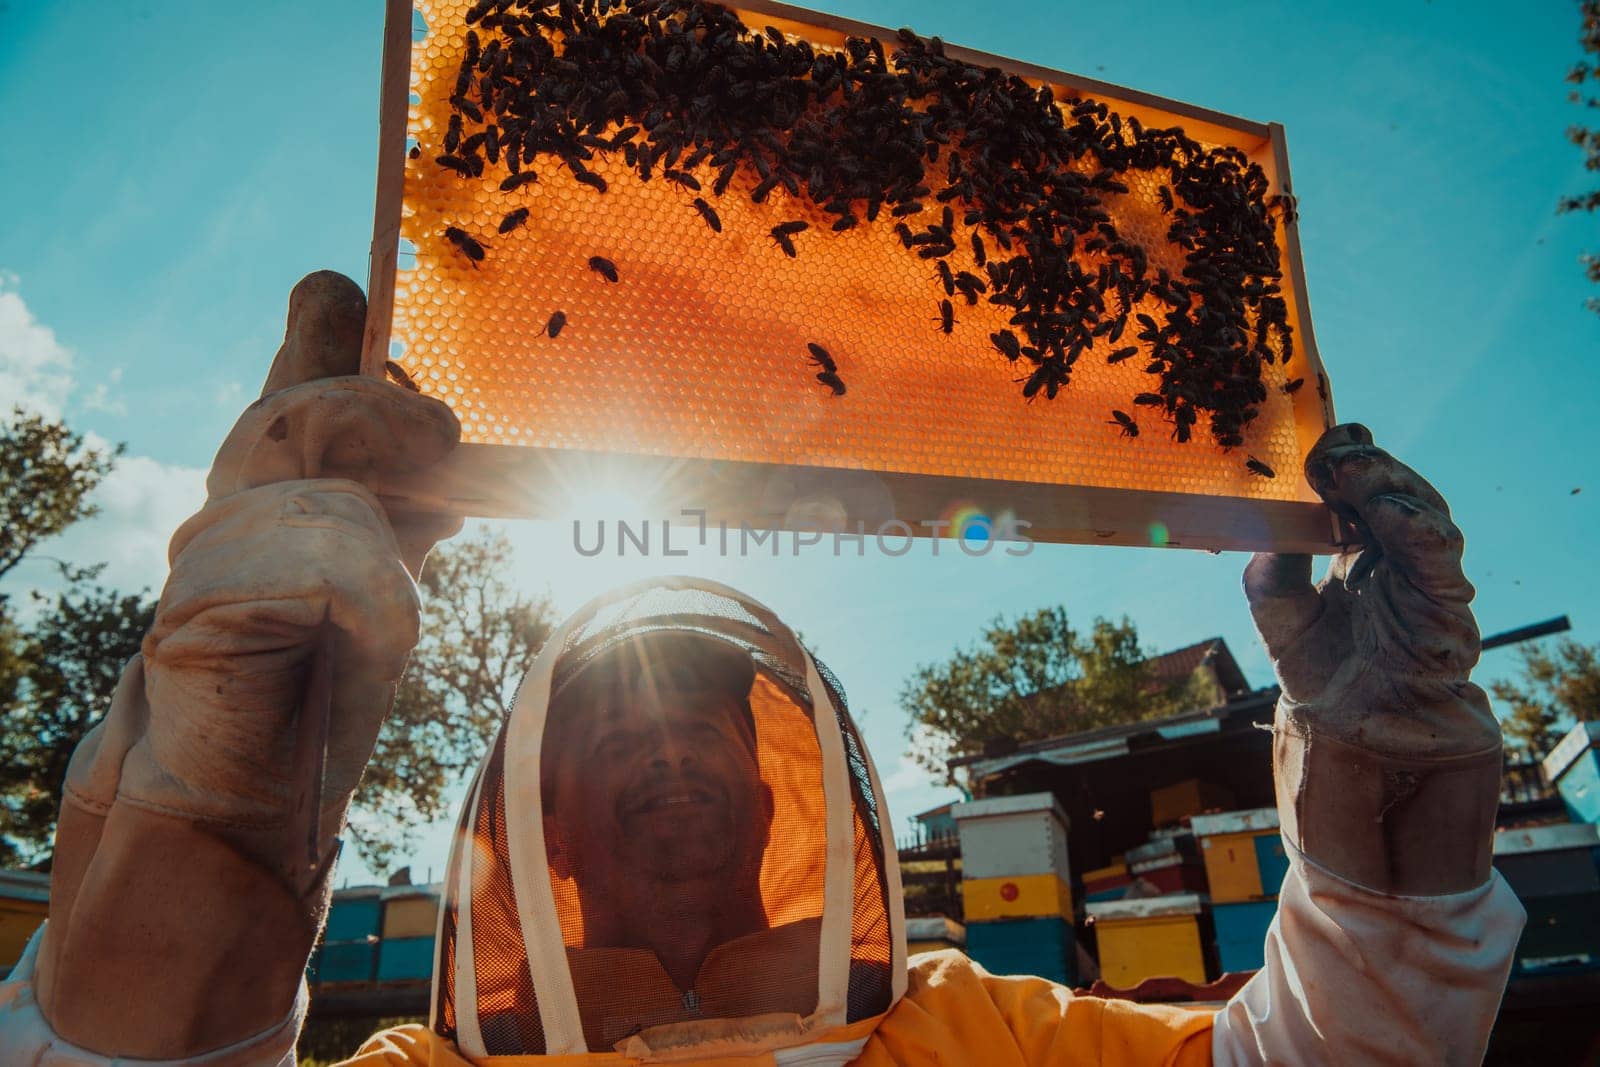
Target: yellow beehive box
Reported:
[(1229, 846), (410, 915), (1191, 796), (1084, 320), (1157, 937), (1016, 897)]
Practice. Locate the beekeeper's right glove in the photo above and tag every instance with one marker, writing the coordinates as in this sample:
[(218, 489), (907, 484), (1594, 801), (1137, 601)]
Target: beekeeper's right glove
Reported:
[(190, 871)]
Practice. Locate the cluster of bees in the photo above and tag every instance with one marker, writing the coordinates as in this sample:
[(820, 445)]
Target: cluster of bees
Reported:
[(947, 153)]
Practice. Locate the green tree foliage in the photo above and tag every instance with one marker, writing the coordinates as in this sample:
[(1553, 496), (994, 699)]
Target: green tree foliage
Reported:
[(1033, 678), (1555, 689), (1585, 138), (58, 667), (63, 667), (479, 636), (54, 671), (46, 476)]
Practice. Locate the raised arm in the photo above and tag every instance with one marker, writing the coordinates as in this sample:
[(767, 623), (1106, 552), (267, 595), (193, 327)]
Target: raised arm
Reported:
[(191, 864), (1393, 937)]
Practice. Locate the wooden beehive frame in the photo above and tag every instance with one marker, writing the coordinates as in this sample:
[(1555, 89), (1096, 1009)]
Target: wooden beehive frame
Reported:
[(509, 481)]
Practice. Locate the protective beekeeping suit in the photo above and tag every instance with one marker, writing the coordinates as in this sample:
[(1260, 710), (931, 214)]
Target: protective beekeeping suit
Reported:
[(676, 848)]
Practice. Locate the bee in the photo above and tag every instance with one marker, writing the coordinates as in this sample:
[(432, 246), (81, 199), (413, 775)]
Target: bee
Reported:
[(1149, 400), (518, 180), (904, 233), (513, 219), (398, 373), (1050, 376), (452, 135), (979, 255), (782, 233), (1124, 422), (415, 152), (603, 267), (465, 242), (558, 319), (947, 279), (1123, 353), (910, 207), (467, 168), (724, 176), (832, 381), (1294, 386), (1005, 342), (821, 358), (947, 316), (1255, 466), (681, 178), (760, 193), (846, 221), (591, 179), (708, 213)]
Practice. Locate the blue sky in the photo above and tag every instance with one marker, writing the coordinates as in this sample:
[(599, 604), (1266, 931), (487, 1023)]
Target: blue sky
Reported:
[(173, 168)]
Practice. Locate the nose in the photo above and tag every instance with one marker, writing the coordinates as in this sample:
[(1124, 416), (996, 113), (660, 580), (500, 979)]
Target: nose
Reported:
[(671, 750)]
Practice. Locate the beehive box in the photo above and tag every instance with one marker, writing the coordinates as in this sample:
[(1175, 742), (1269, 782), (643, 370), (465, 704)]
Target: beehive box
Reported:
[(1153, 937), (1573, 767), (1243, 853), (1241, 929), (1152, 256)]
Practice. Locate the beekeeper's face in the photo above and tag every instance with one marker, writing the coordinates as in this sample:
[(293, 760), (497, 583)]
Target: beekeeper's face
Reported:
[(659, 787)]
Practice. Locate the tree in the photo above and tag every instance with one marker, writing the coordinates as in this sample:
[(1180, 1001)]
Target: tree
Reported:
[(1034, 678), (479, 637), (57, 676), (1582, 136), (1554, 690), (48, 476)]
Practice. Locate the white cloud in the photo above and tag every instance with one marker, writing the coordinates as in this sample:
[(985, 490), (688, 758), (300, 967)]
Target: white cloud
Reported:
[(35, 367), (142, 501), (103, 396), (229, 396)]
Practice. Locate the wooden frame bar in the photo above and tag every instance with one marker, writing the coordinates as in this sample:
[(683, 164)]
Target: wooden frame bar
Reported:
[(519, 482)]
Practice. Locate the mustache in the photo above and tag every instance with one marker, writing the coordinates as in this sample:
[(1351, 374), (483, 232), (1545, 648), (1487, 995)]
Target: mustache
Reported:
[(654, 789)]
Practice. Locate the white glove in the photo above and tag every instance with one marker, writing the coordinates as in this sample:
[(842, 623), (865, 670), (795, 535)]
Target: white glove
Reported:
[(191, 872), (1387, 758)]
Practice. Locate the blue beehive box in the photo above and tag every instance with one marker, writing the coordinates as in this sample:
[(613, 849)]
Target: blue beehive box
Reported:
[(1046, 947), (1241, 930), (355, 914), (1573, 767), (405, 958), (1555, 871), (1273, 861), (347, 961)]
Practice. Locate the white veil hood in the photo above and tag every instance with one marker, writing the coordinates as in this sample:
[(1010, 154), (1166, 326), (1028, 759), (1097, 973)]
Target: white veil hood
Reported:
[(512, 974)]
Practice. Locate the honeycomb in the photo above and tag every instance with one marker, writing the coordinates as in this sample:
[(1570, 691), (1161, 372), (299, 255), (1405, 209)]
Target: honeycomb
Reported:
[(700, 348)]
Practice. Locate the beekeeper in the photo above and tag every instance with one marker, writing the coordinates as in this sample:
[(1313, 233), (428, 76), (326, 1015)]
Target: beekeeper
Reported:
[(676, 850)]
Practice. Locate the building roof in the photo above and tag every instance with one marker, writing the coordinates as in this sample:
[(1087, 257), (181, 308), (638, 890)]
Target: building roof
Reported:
[(1213, 652), (1109, 742)]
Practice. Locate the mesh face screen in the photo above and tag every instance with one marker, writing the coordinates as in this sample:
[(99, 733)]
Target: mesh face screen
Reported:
[(621, 985), (699, 348)]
